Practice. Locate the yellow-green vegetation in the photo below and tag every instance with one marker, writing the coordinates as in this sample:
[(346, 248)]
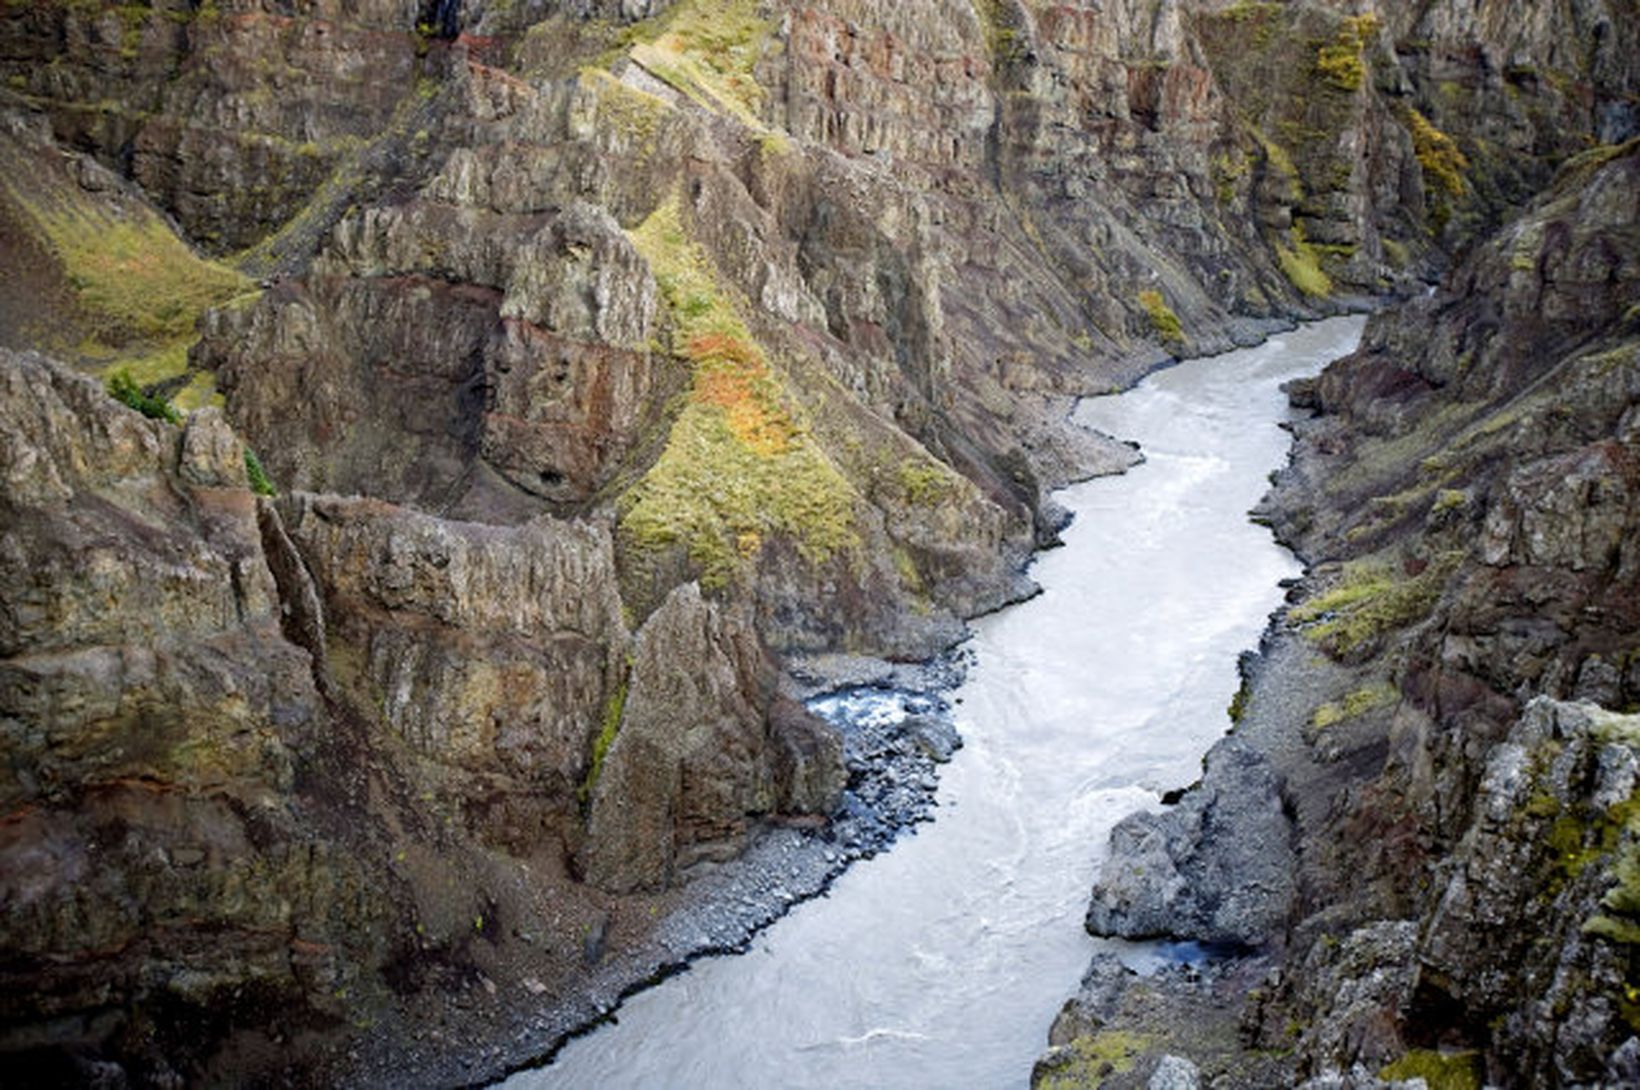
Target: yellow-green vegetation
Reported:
[(1238, 703), (1370, 599), (139, 281), (1162, 318), (634, 114), (138, 288), (1280, 161), (1248, 10), (739, 464), (1449, 499), (1228, 170), (1301, 265), (1439, 1070), (1340, 62), (1352, 705), (1094, 1058), (1438, 155), (1002, 38), (1396, 253), (614, 708), (708, 50), (926, 483)]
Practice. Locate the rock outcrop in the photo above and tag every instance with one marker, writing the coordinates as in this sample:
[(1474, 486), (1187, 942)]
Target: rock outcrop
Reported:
[(1456, 777), (608, 352), (274, 768)]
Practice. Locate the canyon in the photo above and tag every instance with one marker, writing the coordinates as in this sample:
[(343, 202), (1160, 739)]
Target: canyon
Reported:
[(524, 406)]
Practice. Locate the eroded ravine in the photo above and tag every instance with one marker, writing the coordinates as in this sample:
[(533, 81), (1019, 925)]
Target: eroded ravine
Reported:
[(942, 962)]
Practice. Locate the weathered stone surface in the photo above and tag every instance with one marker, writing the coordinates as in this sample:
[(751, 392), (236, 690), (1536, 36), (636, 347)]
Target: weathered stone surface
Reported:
[(1462, 837), (154, 724), (490, 647), (693, 762), (1216, 868)]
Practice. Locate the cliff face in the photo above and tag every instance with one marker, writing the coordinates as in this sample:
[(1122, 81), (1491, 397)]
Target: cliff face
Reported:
[(1455, 780), (607, 353)]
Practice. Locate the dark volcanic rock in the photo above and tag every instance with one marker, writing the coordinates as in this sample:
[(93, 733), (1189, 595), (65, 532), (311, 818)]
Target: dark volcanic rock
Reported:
[(1215, 868), (1462, 839)]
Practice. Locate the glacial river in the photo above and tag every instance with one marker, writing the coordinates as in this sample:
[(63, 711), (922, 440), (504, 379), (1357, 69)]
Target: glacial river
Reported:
[(942, 962)]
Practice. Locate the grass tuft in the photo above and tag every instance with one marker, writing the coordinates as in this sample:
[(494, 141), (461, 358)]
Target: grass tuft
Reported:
[(1162, 319), (614, 709), (1301, 265), (1341, 62), (1368, 601), (1439, 1070)]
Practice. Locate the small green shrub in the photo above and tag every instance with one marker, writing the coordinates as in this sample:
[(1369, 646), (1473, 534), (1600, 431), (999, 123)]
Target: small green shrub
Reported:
[(1303, 269), (1438, 155), (258, 477), (1340, 62), (123, 388)]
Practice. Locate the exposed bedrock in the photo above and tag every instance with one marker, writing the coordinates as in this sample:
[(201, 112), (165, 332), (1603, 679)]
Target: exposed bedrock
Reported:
[(607, 353), (1442, 707)]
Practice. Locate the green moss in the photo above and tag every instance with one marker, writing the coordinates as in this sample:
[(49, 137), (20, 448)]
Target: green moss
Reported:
[(1368, 601), (1249, 10), (1228, 170), (1439, 1070), (1095, 1057), (1238, 703), (614, 709), (1449, 499), (634, 114), (1340, 62), (1302, 268), (258, 477), (1617, 836), (1438, 155), (926, 483), (708, 50), (1003, 39), (1353, 705), (1396, 253), (139, 281), (1276, 155), (1162, 318), (739, 463)]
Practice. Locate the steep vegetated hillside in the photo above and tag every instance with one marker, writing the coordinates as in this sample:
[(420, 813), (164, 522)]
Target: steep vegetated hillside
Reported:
[(593, 360)]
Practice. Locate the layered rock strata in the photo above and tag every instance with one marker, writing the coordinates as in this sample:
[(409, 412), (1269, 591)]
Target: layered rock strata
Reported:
[(607, 353)]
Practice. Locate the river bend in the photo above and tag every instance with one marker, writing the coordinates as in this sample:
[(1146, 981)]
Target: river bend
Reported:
[(942, 962)]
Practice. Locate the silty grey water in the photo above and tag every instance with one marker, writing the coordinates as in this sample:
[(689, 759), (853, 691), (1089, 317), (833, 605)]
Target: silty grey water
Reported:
[(942, 962)]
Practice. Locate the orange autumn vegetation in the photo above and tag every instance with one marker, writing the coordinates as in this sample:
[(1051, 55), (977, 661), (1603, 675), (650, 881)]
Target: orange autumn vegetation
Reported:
[(731, 374)]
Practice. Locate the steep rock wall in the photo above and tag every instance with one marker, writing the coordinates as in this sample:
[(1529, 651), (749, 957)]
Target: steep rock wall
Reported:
[(1461, 834)]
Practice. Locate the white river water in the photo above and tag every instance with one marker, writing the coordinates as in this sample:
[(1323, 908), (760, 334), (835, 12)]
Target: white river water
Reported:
[(942, 962)]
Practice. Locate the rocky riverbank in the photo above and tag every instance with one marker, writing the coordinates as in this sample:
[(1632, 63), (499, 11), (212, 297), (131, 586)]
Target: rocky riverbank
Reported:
[(1419, 834), (554, 374)]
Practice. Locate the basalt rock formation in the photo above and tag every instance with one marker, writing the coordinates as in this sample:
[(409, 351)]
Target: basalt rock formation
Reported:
[(608, 355), (1457, 777)]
